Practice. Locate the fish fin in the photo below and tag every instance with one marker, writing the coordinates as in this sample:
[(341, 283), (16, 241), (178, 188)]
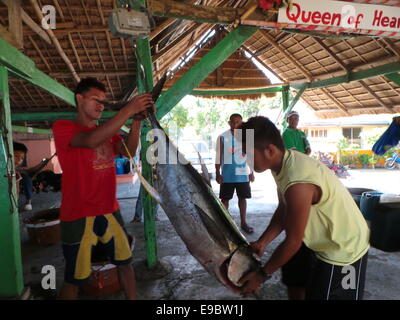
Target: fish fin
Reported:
[(204, 171), (152, 192), (213, 230)]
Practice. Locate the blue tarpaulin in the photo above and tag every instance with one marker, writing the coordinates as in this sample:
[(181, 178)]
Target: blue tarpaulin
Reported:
[(389, 139)]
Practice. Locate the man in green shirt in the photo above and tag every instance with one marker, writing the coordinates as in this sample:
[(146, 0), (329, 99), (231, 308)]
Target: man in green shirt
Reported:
[(293, 138)]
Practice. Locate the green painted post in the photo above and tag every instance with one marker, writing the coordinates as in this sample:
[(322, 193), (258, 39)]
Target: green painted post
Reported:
[(11, 276), (285, 103), (295, 100), (193, 77), (143, 54)]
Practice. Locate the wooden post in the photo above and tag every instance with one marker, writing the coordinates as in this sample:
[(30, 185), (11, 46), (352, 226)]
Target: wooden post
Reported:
[(15, 22), (145, 84), (11, 276)]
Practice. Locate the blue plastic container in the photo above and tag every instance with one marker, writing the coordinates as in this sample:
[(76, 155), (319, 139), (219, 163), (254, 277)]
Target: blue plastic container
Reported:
[(368, 203), (119, 165), (356, 193)]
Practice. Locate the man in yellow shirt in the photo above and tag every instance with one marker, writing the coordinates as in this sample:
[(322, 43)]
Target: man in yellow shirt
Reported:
[(317, 214)]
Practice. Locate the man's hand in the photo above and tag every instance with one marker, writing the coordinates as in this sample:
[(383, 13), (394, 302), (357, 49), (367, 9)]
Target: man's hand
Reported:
[(252, 282), (308, 151), (219, 179), (396, 120), (140, 104), (251, 177), (258, 247)]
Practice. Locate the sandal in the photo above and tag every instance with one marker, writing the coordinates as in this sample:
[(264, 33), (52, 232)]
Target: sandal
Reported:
[(247, 229), (136, 220)]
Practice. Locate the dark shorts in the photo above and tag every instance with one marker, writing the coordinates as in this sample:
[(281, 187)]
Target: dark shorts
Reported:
[(80, 236), (325, 281), (227, 190)]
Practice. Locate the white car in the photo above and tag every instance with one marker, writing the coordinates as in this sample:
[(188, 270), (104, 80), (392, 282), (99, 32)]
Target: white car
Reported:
[(191, 148)]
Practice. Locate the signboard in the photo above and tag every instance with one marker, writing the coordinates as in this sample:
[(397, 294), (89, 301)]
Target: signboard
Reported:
[(342, 15)]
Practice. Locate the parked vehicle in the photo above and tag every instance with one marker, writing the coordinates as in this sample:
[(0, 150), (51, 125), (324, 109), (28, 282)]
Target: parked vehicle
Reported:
[(340, 170), (393, 162)]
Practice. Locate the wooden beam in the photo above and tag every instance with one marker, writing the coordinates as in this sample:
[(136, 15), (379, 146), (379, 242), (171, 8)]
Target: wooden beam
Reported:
[(335, 101), (255, 56), (59, 10), (175, 9), (284, 52), (103, 21), (372, 93), (6, 35), (331, 54), (35, 27), (392, 46), (202, 69), (172, 59), (15, 22), (71, 42), (167, 48), (161, 28), (55, 42), (39, 52)]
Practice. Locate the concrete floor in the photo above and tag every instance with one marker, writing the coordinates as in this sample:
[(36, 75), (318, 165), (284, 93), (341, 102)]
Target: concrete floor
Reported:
[(187, 278)]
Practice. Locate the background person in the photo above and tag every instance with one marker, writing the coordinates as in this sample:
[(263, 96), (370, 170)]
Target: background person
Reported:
[(235, 174), (293, 138)]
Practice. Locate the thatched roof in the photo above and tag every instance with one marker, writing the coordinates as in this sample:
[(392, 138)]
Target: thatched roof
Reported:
[(237, 72), (84, 36)]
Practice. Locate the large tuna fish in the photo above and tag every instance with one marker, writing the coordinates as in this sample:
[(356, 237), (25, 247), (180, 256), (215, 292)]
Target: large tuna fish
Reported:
[(198, 216)]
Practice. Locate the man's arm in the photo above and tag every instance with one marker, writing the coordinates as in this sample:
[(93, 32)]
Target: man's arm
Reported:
[(299, 199), (273, 230), (92, 139), (132, 141)]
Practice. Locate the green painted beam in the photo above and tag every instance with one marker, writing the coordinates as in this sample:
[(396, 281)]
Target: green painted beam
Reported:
[(31, 130), (193, 77), (14, 60), (354, 76), (295, 100), (235, 92), (145, 84), (21, 66), (394, 77), (43, 81), (11, 276), (52, 116)]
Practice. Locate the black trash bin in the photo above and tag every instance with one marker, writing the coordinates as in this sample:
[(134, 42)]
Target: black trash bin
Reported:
[(385, 226)]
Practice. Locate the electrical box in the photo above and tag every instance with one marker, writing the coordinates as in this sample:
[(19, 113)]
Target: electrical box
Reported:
[(126, 23)]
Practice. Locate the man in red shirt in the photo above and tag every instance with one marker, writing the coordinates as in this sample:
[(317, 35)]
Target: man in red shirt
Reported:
[(89, 208)]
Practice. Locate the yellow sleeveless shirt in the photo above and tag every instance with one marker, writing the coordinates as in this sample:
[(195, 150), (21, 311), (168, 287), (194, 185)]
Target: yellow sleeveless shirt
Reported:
[(336, 229)]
